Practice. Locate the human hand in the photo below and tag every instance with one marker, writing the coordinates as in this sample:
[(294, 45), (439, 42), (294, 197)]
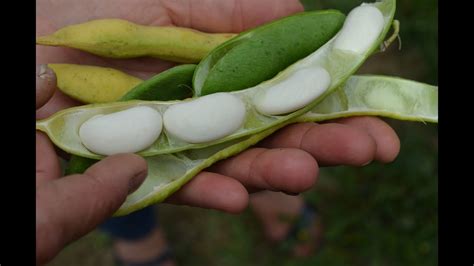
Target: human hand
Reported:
[(69, 207), (287, 161)]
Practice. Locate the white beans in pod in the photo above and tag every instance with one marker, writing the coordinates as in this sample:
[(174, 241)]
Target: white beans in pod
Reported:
[(362, 27), (206, 118), (298, 90), (130, 130)]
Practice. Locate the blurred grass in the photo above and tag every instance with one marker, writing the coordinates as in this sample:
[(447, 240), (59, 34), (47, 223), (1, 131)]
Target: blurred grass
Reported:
[(376, 215)]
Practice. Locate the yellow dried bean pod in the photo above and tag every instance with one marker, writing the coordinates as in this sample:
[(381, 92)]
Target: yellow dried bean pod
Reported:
[(83, 82), (116, 38)]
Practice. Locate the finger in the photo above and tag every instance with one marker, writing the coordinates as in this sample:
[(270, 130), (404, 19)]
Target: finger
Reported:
[(58, 102), (228, 16), (45, 84), (212, 191), (330, 144), (47, 163), (288, 170), (387, 141), (143, 68), (72, 206)]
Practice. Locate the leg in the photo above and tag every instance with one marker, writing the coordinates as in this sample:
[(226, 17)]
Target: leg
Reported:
[(138, 239), (285, 217)]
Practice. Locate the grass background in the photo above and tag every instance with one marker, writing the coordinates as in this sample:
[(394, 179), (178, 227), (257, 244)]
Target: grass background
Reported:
[(375, 215)]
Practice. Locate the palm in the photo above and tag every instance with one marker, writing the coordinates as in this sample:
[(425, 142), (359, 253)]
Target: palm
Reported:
[(230, 18), (144, 12), (221, 16)]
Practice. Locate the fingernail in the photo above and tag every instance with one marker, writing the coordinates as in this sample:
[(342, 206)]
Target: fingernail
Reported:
[(291, 193), (44, 72), (136, 181), (367, 163)]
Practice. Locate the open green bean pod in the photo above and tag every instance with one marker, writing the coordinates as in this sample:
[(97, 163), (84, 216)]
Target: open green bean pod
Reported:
[(360, 95)]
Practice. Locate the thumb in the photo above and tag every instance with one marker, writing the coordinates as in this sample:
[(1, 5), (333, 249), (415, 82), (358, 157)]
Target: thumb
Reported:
[(70, 207), (45, 84)]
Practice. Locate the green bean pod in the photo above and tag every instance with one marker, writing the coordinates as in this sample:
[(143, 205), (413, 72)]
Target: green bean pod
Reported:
[(260, 53), (375, 95), (172, 84), (360, 95)]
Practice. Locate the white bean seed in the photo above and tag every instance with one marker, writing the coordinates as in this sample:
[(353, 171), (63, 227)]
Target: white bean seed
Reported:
[(131, 130), (298, 90), (206, 118), (362, 27)]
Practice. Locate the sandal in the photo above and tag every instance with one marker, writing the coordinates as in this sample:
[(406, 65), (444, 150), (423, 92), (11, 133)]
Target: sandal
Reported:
[(158, 261), (305, 233)]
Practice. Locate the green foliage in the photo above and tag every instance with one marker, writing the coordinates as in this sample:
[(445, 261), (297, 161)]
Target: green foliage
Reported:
[(387, 214), (384, 214)]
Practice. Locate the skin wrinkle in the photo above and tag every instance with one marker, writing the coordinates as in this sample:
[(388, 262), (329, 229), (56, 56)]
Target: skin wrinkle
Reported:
[(286, 165), (291, 164), (310, 126), (377, 149), (161, 15), (48, 228), (173, 13), (201, 199), (383, 135), (370, 149), (240, 12), (190, 10), (109, 205), (42, 173), (345, 147), (43, 227), (57, 102), (237, 16), (249, 170), (99, 185), (198, 196), (89, 210), (93, 171), (71, 230), (45, 85), (135, 183), (233, 196), (252, 170)]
